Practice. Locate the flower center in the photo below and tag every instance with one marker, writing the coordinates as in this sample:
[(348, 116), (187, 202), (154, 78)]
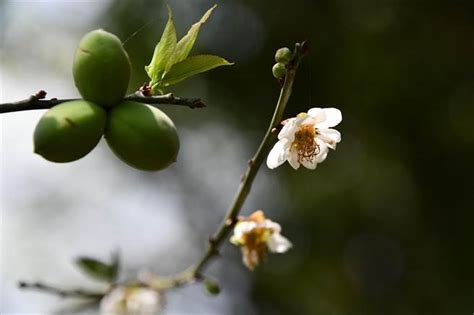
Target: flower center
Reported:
[(255, 248), (305, 143)]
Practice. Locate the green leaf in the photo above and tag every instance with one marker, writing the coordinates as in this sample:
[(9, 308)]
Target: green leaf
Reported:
[(184, 46), (99, 270), (192, 66), (164, 51)]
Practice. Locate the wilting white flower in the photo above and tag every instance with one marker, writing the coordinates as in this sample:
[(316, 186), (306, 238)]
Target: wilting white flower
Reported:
[(256, 235), (306, 139), (132, 301)]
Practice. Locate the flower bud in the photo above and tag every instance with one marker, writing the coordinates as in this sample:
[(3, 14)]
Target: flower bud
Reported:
[(283, 55), (142, 136), (212, 287), (279, 70), (69, 131), (101, 68)]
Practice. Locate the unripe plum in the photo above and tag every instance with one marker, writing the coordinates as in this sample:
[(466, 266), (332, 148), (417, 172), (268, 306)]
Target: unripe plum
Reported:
[(69, 131), (101, 68), (142, 136)]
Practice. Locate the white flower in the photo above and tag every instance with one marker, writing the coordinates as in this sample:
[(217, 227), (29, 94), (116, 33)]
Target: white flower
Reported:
[(131, 301), (256, 235), (306, 139)]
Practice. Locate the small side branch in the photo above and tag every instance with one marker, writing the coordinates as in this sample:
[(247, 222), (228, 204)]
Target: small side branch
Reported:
[(168, 99), (37, 101), (75, 293), (194, 272)]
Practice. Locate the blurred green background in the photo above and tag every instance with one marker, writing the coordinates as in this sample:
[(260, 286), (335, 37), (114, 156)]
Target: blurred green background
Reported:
[(385, 224)]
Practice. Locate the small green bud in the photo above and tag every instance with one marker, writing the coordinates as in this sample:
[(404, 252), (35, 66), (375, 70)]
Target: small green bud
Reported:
[(283, 55), (279, 70), (69, 131), (101, 68), (142, 136), (212, 287)]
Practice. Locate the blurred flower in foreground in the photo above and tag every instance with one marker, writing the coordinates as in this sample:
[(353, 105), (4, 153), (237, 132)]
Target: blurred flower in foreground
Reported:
[(256, 235), (306, 139), (132, 301)]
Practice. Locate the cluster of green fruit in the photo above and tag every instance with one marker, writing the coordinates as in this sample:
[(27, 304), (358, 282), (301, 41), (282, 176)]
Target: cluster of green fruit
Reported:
[(282, 57), (139, 134)]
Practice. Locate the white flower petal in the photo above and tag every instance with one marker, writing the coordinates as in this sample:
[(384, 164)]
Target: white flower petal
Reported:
[(318, 114), (278, 244), (308, 120), (137, 301), (244, 227), (144, 301), (288, 130), (333, 116), (293, 159), (236, 240), (112, 303), (323, 151), (309, 164), (330, 136), (322, 156), (277, 155), (269, 224), (240, 229)]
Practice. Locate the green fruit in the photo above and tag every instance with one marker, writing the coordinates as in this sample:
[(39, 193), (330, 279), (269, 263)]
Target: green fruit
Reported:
[(142, 136), (101, 68), (279, 70), (283, 55), (69, 131)]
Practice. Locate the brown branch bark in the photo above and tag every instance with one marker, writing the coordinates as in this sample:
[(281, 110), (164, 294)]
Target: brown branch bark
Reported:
[(37, 101)]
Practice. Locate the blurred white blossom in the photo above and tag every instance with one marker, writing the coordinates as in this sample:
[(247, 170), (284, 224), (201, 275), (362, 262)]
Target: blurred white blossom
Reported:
[(256, 235), (306, 139), (132, 301)]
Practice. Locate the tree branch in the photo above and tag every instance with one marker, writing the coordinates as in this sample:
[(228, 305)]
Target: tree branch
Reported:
[(195, 272), (37, 101), (75, 293)]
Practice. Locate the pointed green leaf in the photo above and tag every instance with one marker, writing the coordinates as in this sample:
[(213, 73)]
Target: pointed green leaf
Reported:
[(192, 66), (184, 46), (98, 270), (164, 51)]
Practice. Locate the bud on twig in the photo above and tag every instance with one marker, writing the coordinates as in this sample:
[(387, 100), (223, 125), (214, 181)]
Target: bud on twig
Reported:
[(283, 55), (279, 70), (212, 287)]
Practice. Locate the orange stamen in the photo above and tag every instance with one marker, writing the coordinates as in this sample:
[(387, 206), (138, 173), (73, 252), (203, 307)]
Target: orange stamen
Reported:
[(305, 143)]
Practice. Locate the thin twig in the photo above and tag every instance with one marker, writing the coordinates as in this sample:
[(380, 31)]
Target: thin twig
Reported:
[(38, 102), (195, 271), (64, 293)]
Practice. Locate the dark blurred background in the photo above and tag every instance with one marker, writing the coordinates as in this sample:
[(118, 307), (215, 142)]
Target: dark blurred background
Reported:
[(383, 226)]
